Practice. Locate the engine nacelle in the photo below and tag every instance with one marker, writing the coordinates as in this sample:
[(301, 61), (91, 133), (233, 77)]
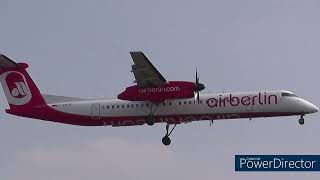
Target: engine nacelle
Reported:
[(171, 90)]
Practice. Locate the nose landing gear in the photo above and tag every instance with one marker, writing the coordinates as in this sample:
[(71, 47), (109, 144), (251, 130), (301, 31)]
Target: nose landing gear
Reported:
[(301, 120), (166, 139)]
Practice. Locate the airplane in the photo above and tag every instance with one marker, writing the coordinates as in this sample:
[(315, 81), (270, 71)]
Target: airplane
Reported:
[(153, 99)]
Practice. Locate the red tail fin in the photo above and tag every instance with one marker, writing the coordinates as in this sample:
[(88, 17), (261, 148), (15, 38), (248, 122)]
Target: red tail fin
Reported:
[(20, 90)]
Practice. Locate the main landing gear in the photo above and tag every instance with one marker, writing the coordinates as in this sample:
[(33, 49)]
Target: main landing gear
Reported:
[(150, 119), (166, 139), (301, 120)]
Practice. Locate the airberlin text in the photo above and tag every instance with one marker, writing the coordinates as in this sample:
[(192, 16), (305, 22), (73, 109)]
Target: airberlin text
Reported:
[(159, 89), (246, 100)]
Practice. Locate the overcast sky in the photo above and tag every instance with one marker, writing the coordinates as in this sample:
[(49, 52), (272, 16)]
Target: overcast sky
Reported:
[(81, 48)]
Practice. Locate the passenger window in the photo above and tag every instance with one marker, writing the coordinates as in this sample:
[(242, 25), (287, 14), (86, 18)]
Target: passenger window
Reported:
[(128, 105), (142, 105), (170, 103), (118, 106), (185, 102), (132, 105), (107, 107), (164, 104), (179, 102), (112, 106), (137, 105), (190, 102)]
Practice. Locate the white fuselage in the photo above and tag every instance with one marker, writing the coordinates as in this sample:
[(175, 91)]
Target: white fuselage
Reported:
[(211, 106)]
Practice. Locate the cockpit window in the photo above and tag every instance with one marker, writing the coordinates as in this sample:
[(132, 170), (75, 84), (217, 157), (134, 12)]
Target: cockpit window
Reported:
[(288, 95)]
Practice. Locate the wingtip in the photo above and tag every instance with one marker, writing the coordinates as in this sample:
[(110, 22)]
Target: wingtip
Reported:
[(135, 52)]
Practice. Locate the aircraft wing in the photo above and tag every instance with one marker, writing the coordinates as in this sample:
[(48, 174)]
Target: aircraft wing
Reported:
[(145, 73)]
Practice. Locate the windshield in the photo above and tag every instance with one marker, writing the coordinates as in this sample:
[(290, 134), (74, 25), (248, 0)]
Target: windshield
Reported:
[(288, 95)]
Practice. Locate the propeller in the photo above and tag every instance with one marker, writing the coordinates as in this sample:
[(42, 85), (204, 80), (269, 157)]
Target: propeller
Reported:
[(211, 122), (198, 87)]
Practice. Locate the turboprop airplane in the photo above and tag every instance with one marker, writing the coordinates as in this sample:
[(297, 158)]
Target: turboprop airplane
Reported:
[(152, 100)]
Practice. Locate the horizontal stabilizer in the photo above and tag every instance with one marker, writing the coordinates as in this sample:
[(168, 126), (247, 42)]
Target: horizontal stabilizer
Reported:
[(5, 62), (52, 99)]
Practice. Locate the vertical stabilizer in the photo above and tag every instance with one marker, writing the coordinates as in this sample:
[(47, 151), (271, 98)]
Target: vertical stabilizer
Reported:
[(20, 90)]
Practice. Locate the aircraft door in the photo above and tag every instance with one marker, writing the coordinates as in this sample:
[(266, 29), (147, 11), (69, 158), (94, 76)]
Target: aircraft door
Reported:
[(95, 111)]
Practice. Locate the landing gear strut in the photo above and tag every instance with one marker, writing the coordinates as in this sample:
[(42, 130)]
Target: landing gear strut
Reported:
[(166, 139), (301, 120), (150, 119)]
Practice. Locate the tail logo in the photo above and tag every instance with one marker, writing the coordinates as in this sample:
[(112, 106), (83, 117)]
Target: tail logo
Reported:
[(19, 90), (15, 88)]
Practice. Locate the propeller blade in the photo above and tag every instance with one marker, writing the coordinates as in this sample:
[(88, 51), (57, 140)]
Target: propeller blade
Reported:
[(197, 78), (198, 97)]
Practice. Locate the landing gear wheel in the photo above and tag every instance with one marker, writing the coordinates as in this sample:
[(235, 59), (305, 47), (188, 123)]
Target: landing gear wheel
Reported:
[(301, 121), (166, 140), (150, 120)]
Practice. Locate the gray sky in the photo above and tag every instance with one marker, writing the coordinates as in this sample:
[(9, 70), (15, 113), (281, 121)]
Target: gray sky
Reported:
[(81, 48)]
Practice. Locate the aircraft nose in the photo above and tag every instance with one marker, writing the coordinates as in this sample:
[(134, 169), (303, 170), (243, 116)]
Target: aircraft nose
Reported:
[(312, 108), (315, 109)]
